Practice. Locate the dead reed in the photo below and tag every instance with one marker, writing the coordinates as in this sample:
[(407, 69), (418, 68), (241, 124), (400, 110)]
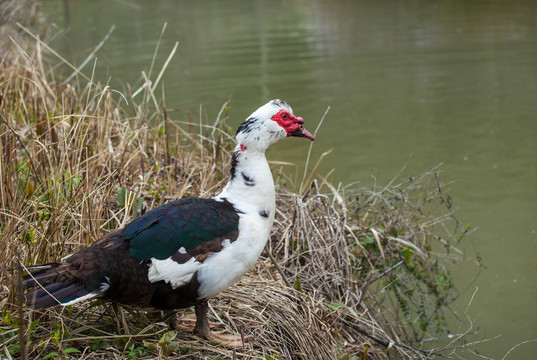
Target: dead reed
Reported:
[(348, 274)]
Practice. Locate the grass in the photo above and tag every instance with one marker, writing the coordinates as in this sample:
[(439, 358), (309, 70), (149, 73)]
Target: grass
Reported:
[(348, 273)]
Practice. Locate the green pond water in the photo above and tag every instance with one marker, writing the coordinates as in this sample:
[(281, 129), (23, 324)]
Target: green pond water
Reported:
[(413, 83)]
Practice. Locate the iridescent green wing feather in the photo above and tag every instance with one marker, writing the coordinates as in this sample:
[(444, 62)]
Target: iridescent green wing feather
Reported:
[(185, 223)]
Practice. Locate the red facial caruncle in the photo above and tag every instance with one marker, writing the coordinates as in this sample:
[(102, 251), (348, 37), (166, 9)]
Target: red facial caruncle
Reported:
[(292, 124)]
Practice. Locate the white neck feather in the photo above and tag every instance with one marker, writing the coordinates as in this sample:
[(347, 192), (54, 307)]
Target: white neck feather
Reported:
[(251, 191), (251, 187)]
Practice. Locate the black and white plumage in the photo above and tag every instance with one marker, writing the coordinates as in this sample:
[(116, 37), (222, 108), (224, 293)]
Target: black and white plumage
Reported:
[(184, 252)]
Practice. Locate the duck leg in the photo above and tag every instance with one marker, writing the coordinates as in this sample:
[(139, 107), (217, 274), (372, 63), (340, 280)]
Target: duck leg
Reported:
[(203, 329)]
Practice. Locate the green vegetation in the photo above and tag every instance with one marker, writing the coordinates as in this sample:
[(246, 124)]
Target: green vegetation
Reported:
[(350, 274)]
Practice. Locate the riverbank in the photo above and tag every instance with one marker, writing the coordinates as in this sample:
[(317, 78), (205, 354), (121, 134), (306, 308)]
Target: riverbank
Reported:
[(346, 274)]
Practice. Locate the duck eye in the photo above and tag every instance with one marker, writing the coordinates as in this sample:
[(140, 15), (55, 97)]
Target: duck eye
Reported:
[(284, 116)]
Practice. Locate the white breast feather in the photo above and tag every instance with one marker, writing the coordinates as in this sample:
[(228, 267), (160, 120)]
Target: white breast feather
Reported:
[(222, 269)]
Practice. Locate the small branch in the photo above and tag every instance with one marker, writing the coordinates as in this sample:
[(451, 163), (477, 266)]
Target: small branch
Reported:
[(279, 270), (387, 344), (387, 271)]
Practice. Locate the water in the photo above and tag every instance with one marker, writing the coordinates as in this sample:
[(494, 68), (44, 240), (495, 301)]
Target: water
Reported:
[(413, 82)]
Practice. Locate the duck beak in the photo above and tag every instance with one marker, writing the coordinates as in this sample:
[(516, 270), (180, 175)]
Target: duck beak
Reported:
[(301, 132)]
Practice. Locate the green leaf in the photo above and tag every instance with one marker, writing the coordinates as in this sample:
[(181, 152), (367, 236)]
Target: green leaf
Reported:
[(335, 306), (167, 337), (70, 351), (29, 189), (298, 285), (149, 345), (51, 355), (367, 241), (55, 337), (407, 253), (7, 319), (76, 181), (121, 196), (139, 204), (33, 325), (171, 348)]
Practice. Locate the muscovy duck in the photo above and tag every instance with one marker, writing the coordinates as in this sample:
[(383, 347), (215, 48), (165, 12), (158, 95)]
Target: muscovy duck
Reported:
[(182, 253)]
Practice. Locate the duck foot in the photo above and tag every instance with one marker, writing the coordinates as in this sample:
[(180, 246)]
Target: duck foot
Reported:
[(230, 341), (199, 325)]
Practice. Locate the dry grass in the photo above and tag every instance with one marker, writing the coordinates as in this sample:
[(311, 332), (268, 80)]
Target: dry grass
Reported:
[(347, 272)]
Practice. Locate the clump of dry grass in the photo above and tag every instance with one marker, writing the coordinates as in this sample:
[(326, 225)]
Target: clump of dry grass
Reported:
[(375, 259), (350, 273)]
